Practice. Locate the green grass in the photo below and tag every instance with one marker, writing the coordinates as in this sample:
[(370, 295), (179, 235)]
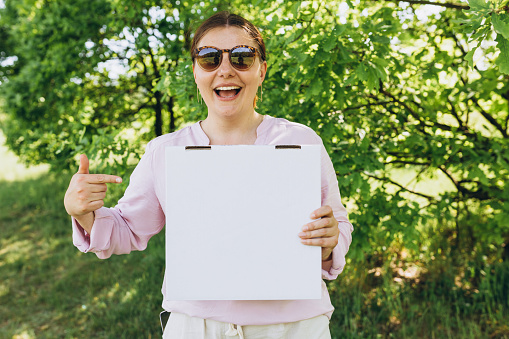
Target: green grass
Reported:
[(48, 289), (51, 290), (371, 306)]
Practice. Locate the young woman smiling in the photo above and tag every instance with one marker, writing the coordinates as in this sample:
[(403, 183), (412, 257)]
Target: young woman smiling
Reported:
[(229, 65), (228, 88)]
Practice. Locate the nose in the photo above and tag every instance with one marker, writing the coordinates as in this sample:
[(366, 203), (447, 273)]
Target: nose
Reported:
[(225, 69)]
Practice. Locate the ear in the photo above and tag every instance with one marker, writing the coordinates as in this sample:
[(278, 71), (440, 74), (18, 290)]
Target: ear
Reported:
[(194, 73), (263, 71)]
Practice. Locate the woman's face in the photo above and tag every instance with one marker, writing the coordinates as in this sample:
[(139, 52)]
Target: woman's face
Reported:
[(238, 101)]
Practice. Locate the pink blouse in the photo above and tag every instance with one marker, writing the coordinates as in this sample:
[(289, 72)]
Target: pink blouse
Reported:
[(140, 214)]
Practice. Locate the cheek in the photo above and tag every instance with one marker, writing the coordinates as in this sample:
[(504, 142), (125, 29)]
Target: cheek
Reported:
[(254, 81), (201, 80)]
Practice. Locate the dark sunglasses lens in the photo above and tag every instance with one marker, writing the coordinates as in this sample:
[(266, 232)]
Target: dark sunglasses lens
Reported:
[(209, 58), (242, 58)]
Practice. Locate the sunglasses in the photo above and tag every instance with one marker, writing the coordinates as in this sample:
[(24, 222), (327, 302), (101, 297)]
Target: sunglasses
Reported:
[(241, 57)]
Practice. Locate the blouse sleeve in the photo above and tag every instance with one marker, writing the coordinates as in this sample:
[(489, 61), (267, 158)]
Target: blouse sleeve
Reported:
[(128, 226), (331, 196)]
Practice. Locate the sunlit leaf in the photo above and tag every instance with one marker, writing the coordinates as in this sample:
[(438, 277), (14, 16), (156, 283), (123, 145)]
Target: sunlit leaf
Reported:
[(503, 58), (501, 24)]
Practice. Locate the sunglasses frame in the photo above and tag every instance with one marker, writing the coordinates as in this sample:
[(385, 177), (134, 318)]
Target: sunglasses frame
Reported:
[(198, 50)]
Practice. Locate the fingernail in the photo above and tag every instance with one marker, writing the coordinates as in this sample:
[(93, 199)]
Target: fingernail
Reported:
[(313, 216), (119, 180), (301, 234), (305, 228)]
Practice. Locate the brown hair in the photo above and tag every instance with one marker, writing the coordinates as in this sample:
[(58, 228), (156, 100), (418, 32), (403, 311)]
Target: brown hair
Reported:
[(225, 19)]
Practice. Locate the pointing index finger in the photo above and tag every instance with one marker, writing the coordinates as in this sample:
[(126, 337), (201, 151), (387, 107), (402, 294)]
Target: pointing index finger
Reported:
[(104, 178)]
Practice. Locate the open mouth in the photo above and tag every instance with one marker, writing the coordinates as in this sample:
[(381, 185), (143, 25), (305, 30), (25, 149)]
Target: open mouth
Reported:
[(227, 92)]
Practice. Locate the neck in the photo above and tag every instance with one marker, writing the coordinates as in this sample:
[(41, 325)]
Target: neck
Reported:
[(232, 131)]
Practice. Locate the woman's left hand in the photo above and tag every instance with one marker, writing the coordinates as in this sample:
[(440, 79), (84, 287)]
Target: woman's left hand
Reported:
[(323, 232)]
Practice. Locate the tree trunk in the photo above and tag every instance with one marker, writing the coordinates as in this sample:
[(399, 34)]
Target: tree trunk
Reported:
[(158, 126), (172, 114)]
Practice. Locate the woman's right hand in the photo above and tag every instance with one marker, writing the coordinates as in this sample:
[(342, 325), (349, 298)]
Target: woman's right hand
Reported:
[(86, 194)]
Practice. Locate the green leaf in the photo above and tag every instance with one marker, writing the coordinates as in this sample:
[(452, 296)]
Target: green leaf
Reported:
[(161, 83), (470, 57), (295, 8), (330, 43), (301, 56), (381, 39), (503, 4), (503, 58), (501, 24), (480, 35), (372, 78), (361, 73), (478, 5)]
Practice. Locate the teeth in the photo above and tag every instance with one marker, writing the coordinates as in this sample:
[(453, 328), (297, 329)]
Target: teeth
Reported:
[(228, 88)]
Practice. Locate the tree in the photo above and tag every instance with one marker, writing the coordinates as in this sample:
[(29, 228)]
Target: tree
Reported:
[(391, 86), (86, 73)]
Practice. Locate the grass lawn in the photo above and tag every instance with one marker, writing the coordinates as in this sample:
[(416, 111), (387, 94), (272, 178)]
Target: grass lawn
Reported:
[(48, 289), (51, 290)]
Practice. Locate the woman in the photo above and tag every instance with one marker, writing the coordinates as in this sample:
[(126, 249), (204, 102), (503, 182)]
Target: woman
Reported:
[(229, 65)]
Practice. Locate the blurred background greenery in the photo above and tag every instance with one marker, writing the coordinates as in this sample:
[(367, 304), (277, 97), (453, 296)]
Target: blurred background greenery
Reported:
[(411, 99)]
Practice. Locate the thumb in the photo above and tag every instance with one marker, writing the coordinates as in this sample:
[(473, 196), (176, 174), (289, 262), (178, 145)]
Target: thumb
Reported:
[(83, 169)]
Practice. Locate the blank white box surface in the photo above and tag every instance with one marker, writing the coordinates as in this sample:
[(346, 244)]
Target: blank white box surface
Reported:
[(233, 215)]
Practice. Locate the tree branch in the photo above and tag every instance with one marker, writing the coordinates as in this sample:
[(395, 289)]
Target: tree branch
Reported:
[(129, 115), (400, 186), (491, 119), (433, 3), (461, 125), (407, 162), (414, 114), (444, 170), (480, 194), (307, 26), (422, 123), (401, 154), (378, 103), (408, 108)]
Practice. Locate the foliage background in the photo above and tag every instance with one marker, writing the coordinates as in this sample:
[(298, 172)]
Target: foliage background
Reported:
[(411, 99)]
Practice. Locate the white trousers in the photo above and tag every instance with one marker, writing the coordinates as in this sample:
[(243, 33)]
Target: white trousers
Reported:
[(181, 326)]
